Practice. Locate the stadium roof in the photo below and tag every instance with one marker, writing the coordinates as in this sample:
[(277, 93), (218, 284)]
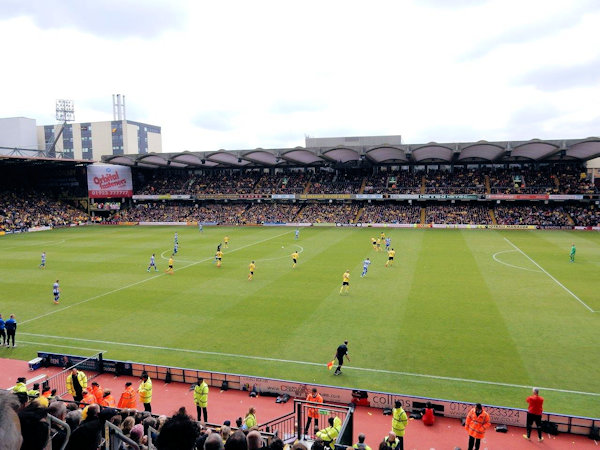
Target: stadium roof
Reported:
[(19, 160), (432, 153)]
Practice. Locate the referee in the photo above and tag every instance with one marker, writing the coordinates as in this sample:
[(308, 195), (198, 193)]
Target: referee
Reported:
[(341, 351)]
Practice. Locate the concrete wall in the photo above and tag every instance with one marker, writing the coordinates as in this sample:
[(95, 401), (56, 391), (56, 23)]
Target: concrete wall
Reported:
[(18, 132)]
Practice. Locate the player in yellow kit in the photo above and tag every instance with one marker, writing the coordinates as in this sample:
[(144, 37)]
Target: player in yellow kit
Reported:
[(390, 261), (170, 269), (345, 282), (251, 268), (374, 243), (226, 241), (219, 257), (378, 244), (294, 259), (382, 236)]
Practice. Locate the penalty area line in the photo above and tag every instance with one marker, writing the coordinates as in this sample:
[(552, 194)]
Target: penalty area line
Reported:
[(143, 281), (308, 363), (551, 277)]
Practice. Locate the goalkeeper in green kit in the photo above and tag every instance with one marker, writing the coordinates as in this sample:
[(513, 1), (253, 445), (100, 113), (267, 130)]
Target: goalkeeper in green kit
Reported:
[(573, 250)]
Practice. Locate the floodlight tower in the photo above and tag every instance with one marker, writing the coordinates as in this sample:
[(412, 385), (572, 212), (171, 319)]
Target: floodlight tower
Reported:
[(65, 112)]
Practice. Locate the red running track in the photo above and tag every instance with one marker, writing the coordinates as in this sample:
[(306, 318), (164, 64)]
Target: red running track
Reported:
[(229, 405)]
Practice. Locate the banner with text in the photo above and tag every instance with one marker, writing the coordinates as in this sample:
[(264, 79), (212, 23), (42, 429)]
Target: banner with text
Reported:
[(109, 181)]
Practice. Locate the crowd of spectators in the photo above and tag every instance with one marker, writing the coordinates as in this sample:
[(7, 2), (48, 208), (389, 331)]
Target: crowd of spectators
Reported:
[(391, 213), (395, 182), (584, 216), (21, 210), (270, 212), (328, 213), (335, 182), (172, 212), (543, 180), (282, 183), (459, 181), (458, 214), (542, 215)]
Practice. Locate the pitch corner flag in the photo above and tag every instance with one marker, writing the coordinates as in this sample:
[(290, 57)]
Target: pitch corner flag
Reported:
[(330, 365)]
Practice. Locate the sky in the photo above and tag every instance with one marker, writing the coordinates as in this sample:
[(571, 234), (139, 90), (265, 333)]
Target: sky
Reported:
[(248, 74)]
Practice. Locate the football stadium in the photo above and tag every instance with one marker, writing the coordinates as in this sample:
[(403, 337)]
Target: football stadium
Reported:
[(300, 226), (491, 288)]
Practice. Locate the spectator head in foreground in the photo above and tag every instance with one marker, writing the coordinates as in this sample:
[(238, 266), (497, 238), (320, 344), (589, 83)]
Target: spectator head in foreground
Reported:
[(178, 433), (10, 426), (213, 442), (237, 441), (254, 440)]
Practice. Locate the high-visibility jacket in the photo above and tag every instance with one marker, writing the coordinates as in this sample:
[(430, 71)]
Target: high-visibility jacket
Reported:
[(145, 391), (88, 399), (108, 401), (314, 412), (33, 393), (47, 394), (250, 421), (477, 424), (20, 387), (391, 445), (201, 394), (82, 382), (329, 435), (399, 421), (128, 398), (361, 446), (98, 393)]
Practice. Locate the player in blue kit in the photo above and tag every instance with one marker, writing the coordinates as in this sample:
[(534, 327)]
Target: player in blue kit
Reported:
[(388, 243), (56, 292), (43, 263), (366, 264), (296, 234), (175, 247), (152, 263)]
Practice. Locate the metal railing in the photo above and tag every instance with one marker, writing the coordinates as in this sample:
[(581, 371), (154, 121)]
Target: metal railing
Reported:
[(283, 427), (113, 436), (59, 381), (53, 420)]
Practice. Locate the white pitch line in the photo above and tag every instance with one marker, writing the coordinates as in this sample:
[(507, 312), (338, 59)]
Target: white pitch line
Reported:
[(511, 265), (141, 281), (97, 350), (308, 363), (553, 279)]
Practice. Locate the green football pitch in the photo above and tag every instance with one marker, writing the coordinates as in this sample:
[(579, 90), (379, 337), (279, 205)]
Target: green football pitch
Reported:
[(472, 315)]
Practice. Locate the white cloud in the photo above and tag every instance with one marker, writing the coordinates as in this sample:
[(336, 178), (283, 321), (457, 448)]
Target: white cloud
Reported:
[(263, 74)]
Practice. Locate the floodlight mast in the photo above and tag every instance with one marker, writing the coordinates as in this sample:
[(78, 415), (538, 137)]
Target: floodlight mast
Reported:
[(65, 112)]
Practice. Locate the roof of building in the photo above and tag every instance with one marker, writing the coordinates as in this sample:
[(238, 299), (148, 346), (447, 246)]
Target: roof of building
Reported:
[(432, 152)]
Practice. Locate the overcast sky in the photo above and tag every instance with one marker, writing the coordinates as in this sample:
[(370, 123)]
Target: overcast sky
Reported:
[(247, 74)]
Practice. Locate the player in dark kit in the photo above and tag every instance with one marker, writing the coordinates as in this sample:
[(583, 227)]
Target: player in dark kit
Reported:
[(341, 351)]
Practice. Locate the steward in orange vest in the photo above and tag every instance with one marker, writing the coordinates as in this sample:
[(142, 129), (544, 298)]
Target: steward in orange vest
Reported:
[(128, 397), (97, 391), (88, 399), (476, 423), (313, 413), (108, 400)]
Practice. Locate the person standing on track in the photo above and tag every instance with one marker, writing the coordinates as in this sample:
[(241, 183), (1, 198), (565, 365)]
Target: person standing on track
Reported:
[(145, 391), (201, 399), (76, 383), (534, 414), (399, 422), (476, 423), (313, 413), (11, 330), (127, 400), (340, 353)]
